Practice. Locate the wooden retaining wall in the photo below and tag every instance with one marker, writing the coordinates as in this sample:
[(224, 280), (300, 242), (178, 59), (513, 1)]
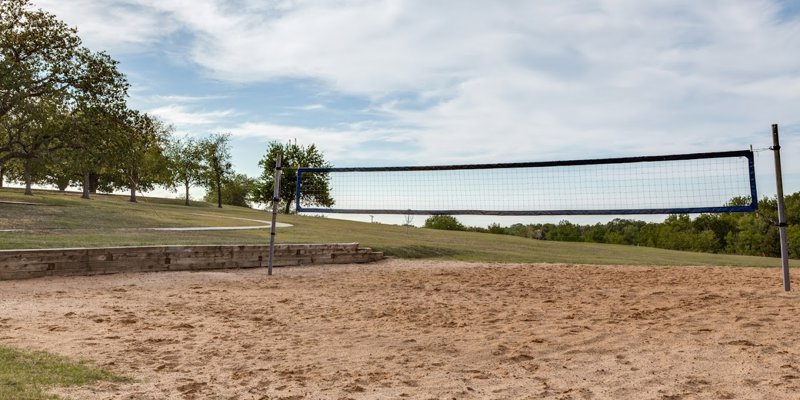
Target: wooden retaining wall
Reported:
[(22, 264)]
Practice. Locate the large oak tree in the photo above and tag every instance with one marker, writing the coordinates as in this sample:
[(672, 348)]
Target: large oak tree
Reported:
[(49, 83)]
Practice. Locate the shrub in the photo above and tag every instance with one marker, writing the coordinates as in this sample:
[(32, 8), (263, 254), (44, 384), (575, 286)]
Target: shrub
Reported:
[(444, 222)]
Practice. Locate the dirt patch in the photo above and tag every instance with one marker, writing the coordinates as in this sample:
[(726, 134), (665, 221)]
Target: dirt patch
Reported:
[(403, 329)]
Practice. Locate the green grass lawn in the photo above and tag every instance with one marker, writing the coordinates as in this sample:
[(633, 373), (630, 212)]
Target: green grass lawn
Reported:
[(27, 375), (66, 220)]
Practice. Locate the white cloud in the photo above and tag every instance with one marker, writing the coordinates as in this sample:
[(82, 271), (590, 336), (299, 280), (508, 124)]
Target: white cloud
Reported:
[(311, 107), (343, 145), (185, 99), (611, 71), (119, 26), (491, 81), (181, 116)]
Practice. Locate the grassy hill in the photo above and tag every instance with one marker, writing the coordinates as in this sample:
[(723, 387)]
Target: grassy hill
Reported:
[(65, 220)]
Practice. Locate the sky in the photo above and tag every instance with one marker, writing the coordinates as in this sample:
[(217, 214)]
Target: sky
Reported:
[(416, 82)]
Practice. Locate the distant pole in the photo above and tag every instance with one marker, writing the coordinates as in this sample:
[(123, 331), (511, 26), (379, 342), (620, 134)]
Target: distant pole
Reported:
[(776, 150), (276, 197)]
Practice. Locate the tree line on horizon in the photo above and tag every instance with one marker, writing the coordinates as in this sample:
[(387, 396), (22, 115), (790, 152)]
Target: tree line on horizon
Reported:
[(65, 122), (754, 234)]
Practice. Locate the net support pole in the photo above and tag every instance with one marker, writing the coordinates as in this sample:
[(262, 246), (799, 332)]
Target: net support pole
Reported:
[(776, 151), (275, 200)]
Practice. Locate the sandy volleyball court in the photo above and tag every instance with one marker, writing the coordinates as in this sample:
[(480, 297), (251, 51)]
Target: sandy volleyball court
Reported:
[(421, 330)]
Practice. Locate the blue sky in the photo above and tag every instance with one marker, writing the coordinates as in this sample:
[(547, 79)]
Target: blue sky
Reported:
[(389, 82)]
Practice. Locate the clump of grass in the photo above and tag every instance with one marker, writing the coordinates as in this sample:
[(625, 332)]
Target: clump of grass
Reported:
[(28, 374)]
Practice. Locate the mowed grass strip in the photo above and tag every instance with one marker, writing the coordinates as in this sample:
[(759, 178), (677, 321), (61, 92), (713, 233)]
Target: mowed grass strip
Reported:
[(29, 374), (66, 220)]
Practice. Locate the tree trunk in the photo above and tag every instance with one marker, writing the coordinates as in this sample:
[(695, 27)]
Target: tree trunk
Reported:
[(62, 182), (28, 191), (289, 200), (186, 185), (2, 172), (94, 181), (219, 191), (86, 184), (133, 187)]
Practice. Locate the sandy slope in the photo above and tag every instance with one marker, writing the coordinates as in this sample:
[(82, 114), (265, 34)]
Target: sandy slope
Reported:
[(423, 330)]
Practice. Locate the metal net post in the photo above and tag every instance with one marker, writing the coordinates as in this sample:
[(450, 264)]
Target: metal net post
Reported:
[(275, 200), (776, 148)]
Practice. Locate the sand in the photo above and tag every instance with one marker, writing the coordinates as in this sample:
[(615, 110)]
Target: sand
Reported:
[(420, 330)]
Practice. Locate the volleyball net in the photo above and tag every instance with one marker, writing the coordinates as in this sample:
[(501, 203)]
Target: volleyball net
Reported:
[(671, 184)]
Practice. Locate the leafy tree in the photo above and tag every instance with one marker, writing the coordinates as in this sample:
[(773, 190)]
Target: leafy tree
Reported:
[(496, 229), (717, 226), (99, 145), (51, 143), (57, 171), (793, 208), (734, 233), (614, 238), (565, 231), (705, 241), (630, 234), (444, 222), (793, 234), (46, 78), (675, 233), (793, 220), (238, 190), (594, 234), (39, 55), (137, 152), (40, 170), (746, 238), (99, 108), (527, 231), (216, 156), (294, 156), (186, 163), (648, 235), (32, 131)]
